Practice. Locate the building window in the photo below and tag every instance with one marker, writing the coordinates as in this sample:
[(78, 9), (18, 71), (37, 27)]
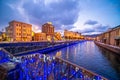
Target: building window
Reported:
[(117, 32), (24, 30), (16, 24)]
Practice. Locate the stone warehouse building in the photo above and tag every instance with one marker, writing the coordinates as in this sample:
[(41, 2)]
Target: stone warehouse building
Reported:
[(111, 37)]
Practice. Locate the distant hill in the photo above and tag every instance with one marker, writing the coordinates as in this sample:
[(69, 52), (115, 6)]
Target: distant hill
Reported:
[(94, 35)]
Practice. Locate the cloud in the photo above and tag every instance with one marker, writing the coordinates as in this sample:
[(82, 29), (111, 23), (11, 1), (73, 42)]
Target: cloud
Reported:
[(101, 27), (62, 13), (36, 28), (87, 30), (38, 12), (90, 22), (59, 12), (95, 29), (92, 29)]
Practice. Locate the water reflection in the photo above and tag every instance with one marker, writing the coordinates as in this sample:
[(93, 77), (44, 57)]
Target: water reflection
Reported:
[(67, 54), (94, 58), (113, 58), (58, 53)]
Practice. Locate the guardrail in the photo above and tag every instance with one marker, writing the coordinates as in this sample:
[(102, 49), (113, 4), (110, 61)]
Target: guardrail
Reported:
[(87, 74), (53, 68), (6, 52)]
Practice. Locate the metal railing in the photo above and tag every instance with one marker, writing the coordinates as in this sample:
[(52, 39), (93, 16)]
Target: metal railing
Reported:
[(87, 73), (44, 67)]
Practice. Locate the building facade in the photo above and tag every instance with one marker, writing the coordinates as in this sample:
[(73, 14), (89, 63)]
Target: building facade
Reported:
[(48, 29), (111, 37), (57, 36), (19, 31), (72, 35), (3, 36), (40, 36)]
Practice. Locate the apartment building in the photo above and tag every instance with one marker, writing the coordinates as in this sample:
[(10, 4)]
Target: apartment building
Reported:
[(19, 31)]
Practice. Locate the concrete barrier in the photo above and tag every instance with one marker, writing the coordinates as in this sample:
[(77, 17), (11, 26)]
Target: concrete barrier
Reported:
[(47, 49), (114, 49)]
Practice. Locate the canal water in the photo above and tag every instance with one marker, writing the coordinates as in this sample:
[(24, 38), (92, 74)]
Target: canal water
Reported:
[(88, 55)]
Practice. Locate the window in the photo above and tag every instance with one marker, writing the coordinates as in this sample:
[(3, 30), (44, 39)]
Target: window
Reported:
[(24, 30), (117, 32), (16, 24)]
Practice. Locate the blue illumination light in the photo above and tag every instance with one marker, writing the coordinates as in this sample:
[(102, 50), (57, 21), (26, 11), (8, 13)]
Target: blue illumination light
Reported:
[(3, 57), (33, 68), (97, 78), (64, 78), (81, 76), (40, 78)]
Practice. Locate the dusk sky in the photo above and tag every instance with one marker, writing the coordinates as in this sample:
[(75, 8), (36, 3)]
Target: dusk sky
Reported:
[(85, 16)]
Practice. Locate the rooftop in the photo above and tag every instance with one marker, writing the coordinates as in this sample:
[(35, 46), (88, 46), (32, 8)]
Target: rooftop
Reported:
[(19, 22)]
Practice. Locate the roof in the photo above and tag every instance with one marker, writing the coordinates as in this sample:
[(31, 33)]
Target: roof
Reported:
[(116, 27), (111, 29), (49, 22), (19, 22)]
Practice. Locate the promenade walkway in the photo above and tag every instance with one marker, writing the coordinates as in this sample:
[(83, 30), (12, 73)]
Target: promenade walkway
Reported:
[(115, 49)]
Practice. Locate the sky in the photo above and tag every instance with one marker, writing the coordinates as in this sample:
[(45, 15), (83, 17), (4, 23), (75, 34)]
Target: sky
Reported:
[(85, 16)]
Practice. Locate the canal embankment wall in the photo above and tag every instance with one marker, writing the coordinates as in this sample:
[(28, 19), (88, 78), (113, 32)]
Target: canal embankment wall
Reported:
[(114, 49), (47, 49), (20, 47)]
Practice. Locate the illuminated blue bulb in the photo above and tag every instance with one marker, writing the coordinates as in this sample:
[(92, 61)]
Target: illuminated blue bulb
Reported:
[(81, 76), (97, 78), (40, 78), (64, 78)]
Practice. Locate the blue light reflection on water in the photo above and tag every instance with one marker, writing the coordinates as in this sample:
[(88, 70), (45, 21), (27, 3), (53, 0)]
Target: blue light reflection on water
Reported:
[(92, 57)]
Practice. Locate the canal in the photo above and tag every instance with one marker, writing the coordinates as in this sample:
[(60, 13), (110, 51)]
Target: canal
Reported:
[(92, 57)]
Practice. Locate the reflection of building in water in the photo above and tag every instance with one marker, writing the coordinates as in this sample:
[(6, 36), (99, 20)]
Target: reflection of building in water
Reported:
[(58, 54), (67, 54), (113, 58), (75, 51), (112, 36)]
